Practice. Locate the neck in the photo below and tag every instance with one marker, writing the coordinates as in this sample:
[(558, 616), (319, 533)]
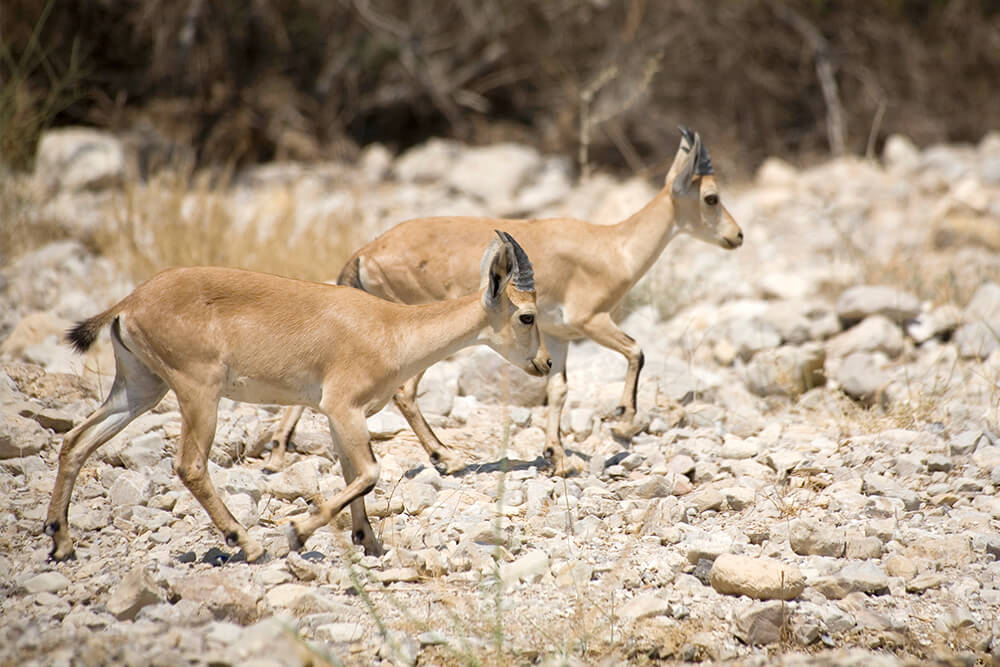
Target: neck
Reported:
[(437, 330), (646, 233)]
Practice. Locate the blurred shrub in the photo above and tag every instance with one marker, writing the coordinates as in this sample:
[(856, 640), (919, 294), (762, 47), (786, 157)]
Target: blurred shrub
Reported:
[(36, 83), (246, 81)]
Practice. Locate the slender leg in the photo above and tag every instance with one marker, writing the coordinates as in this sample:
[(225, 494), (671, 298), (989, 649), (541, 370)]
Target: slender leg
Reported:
[(290, 417), (602, 330), (350, 432), (444, 458), (199, 411), (361, 527), (556, 395), (135, 390)]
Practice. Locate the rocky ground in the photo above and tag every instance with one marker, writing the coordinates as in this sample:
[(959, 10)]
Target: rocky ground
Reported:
[(816, 482)]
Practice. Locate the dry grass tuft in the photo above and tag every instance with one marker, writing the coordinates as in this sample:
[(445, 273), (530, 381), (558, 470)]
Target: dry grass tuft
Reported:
[(23, 227), (187, 218), (928, 273)]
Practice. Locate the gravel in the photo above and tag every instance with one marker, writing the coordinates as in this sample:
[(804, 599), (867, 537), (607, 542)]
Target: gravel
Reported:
[(819, 472)]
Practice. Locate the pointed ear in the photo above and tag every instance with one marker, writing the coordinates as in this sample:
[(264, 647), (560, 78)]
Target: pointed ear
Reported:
[(685, 162), (496, 271)]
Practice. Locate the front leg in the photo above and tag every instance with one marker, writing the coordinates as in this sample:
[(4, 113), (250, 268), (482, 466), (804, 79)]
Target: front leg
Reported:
[(602, 330), (361, 472), (555, 391), (361, 527)]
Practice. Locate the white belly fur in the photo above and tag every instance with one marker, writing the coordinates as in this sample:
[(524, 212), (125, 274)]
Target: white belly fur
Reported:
[(252, 390)]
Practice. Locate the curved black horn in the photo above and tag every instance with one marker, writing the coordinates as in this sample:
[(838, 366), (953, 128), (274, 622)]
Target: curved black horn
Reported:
[(702, 161), (703, 165), (688, 136), (524, 274)]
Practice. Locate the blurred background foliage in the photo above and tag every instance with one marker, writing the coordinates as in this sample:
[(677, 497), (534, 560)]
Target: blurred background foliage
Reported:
[(245, 81)]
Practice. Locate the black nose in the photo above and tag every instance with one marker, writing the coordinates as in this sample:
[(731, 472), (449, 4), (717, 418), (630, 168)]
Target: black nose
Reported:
[(740, 236), (548, 362)]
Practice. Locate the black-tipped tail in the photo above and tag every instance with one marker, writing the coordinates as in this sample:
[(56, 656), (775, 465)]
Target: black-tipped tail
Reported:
[(83, 335)]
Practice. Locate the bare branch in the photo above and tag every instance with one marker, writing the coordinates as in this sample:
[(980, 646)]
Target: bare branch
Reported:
[(825, 72)]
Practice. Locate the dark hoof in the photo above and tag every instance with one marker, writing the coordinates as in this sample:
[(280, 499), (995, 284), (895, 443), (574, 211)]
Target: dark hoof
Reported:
[(374, 550), (624, 432), (439, 463), (70, 556)]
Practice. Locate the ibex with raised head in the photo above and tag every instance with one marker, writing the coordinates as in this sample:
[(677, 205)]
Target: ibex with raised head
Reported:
[(584, 272)]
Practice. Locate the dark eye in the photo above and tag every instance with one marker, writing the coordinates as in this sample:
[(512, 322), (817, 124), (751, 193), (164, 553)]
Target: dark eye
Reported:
[(527, 319), (711, 200)]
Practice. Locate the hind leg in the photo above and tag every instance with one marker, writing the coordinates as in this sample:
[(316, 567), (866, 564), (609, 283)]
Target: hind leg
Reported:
[(282, 435), (199, 412), (135, 390), (442, 457)]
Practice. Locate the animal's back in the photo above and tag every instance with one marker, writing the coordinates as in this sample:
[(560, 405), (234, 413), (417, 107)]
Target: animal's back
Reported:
[(254, 324), (432, 259)]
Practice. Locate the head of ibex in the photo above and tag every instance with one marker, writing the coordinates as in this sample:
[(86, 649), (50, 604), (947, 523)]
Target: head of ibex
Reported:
[(695, 193), (508, 284)]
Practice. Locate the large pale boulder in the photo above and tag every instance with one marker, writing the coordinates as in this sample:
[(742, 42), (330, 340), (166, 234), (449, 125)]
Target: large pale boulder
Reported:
[(494, 174), (875, 333), (135, 591), (748, 336), (776, 173), (438, 388), (492, 379), (808, 538), (20, 436), (761, 624), (981, 334), (32, 329), (786, 371), (861, 377), (759, 578), (299, 480), (227, 594), (985, 304), (900, 152), (857, 303), (429, 161), (79, 158)]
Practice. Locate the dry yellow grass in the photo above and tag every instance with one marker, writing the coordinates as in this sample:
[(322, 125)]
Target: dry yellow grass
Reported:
[(22, 229), (185, 218)]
